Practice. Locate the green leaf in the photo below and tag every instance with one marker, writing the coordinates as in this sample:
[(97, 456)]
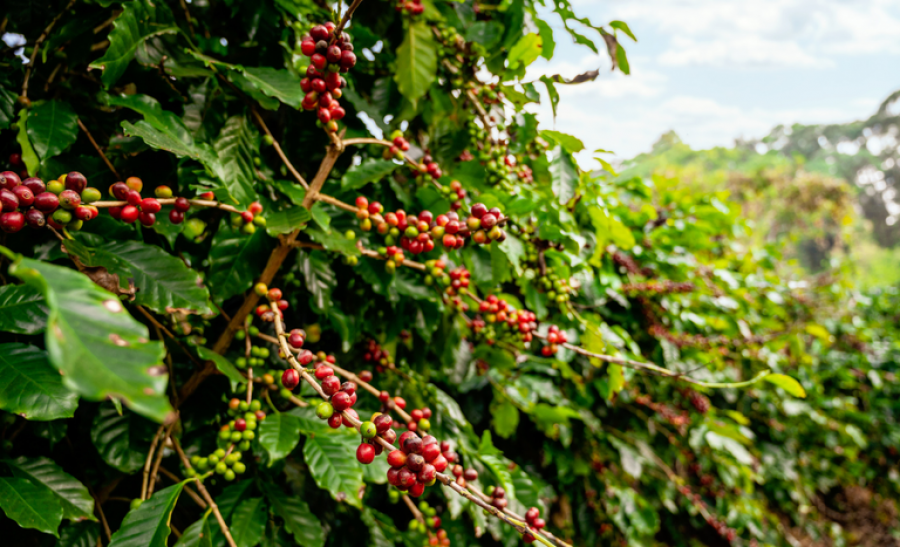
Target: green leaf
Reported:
[(167, 139), (52, 128), (486, 33), (298, 519), (335, 241), (278, 84), (505, 417), (285, 222), (248, 523), (73, 496), (222, 364), (32, 163), (139, 20), (121, 440), (279, 435), (416, 60), (526, 50), (163, 281), (148, 525), (319, 277), (551, 92), (79, 534), (331, 458), (623, 26), (622, 59), (234, 167), (571, 144), (30, 387), (8, 101), (565, 175), (381, 529), (100, 349), (235, 261), (22, 310), (228, 501), (368, 171), (547, 41), (198, 534), (30, 505), (787, 383)]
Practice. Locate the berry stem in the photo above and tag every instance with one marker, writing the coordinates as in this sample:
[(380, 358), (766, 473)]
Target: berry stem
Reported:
[(344, 20), (97, 148), (278, 149), (149, 459)]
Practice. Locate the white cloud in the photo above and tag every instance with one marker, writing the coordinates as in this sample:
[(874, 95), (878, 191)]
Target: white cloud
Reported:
[(766, 33)]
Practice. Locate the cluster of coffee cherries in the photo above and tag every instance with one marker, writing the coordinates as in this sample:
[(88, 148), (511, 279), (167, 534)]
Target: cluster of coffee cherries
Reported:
[(341, 396), (378, 428), (431, 520), (234, 437), (699, 401), (416, 464), (535, 522), (455, 193), (258, 357), (421, 420), (137, 206), (436, 273), (721, 528), (399, 145), (667, 413), (464, 476), (329, 57), (412, 7), (61, 203), (496, 312), (250, 219), (377, 355), (484, 224), (556, 287), (554, 338), (415, 234), (264, 311), (459, 281), (428, 170)]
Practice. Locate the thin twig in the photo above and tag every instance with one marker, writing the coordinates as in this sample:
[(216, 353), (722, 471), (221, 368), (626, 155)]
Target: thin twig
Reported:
[(97, 148), (150, 459), (154, 473), (205, 493), (37, 47), (187, 488), (345, 19), (278, 149), (170, 201)]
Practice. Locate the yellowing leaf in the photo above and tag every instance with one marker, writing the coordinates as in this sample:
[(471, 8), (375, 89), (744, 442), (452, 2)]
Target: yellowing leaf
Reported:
[(787, 383)]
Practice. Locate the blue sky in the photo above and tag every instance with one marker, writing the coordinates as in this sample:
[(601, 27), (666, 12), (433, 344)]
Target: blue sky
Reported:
[(714, 70)]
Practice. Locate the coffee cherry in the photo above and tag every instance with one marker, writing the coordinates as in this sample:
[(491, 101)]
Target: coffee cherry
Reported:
[(62, 217), (8, 200), (365, 453), (470, 474), (34, 184), (163, 192), (412, 445), (324, 410), (150, 205), (323, 372), (182, 204), (290, 378), (134, 183), (414, 462), (368, 430), (35, 218), (349, 387), (129, 213), (417, 489), (240, 425), (382, 422), (24, 195), (431, 451), (147, 219), (12, 222), (335, 421), (76, 182), (341, 401), (69, 199), (331, 385), (176, 216)]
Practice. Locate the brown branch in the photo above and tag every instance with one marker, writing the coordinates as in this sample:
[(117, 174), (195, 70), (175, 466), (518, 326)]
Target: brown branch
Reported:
[(278, 149), (170, 201), (154, 473), (345, 19), (150, 459), (187, 16), (37, 47), (99, 507), (205, 494), (187, 488), (97, 148)]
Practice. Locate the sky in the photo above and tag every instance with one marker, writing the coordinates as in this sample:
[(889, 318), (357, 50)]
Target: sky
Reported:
[(716, 70)]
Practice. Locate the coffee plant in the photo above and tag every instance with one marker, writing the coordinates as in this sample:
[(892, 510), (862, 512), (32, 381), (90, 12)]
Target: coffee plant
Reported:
[(291, 273)]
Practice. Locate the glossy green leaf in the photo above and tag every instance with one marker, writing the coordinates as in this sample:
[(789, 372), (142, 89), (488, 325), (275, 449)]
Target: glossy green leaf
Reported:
[(623, 26), (548, 44), (79, 534), (371, 170), (236, 260), (622, 59), (73, 496), (29, 156), (382, 531), (234, 148), (298, 519), (565, 175), (551, 92), (197, 534), (505, 419), (486, 33), (30, 387), (288, 220), (331, 458), (30, 505), (139, 20), (335, 241), (570, 144), (162, 281), (100, 349), (279, 435), (526, 50), (148, 525), (222, 364), (122, 441), (22, 310), (279, 84), (52, 128), (319, 277), (787, 383), (416, 60), (248, 522), (8, 101)]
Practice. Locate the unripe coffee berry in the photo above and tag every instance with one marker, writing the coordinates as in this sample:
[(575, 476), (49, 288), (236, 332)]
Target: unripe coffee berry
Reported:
[(324, 410), (368, 430)]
